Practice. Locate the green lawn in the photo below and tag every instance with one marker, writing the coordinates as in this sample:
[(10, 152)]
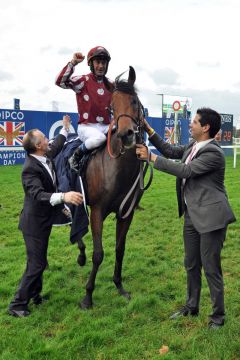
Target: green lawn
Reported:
[(153, 272)]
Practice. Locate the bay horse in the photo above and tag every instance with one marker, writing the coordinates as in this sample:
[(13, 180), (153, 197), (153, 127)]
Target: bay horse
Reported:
[(109, 179)]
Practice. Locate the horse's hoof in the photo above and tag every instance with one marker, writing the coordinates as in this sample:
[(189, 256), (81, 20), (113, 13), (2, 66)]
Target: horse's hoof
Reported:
[(125, 293), (86, 304), (81, 260)]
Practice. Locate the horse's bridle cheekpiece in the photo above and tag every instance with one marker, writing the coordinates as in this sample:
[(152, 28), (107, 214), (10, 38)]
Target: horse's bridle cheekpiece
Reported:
[(142, 168)]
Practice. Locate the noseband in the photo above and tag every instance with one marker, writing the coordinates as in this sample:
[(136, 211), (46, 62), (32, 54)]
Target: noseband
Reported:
[(136, 120)]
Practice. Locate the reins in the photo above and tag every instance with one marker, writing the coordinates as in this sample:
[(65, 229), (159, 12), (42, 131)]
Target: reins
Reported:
[(138, 185)]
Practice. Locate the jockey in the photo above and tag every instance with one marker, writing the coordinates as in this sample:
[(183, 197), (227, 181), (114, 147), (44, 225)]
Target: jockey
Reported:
[(93, 99)]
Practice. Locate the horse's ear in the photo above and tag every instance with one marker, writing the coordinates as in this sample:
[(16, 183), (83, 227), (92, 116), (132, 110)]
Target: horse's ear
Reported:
[(132, 75)]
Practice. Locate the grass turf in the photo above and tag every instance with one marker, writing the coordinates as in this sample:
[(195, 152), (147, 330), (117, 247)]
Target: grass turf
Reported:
[(153, 272)]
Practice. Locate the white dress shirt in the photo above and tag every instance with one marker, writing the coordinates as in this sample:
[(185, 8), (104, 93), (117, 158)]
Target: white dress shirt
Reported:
[(56, 198)]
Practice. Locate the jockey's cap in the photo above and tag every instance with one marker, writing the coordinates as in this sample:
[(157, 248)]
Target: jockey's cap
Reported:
[(98, 51)]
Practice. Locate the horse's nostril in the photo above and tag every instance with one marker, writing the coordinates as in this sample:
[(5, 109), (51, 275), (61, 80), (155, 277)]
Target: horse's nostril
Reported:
[(126, 135), (130, 132)]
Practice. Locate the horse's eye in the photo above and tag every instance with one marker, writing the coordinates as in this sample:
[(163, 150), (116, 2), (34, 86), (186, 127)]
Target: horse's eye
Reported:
[(134, 101)]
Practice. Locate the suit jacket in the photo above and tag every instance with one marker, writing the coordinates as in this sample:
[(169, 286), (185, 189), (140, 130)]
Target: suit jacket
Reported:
[(38, 214), (204, 190)]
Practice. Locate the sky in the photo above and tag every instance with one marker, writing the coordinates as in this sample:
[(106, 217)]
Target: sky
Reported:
[(187, 48)]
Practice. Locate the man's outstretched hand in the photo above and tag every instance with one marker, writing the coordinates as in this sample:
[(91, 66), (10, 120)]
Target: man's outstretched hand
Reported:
[(73, 197)]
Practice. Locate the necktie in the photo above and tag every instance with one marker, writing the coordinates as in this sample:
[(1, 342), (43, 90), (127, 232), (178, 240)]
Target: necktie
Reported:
[(50, 165), (188, 159), (192, 153)]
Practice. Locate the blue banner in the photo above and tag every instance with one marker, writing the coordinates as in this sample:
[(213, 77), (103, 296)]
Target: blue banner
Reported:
[(15, 123), (165, 128), (225, 135)]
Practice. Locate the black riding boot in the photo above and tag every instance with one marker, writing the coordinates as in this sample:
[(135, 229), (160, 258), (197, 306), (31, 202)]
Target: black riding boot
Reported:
[(76, 157)]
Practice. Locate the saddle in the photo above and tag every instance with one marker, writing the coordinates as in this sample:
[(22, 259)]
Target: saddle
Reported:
[(85, 158)]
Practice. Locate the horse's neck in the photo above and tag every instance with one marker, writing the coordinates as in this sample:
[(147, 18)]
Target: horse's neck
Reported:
[(109, 178)]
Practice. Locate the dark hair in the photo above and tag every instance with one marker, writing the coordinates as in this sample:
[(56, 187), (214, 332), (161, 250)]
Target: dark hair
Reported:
[(212, 118), (30, 141), (109, 85), (125, 87)]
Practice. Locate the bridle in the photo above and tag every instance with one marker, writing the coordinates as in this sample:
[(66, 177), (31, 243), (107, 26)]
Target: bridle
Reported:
[(138, 121), (138, 186)]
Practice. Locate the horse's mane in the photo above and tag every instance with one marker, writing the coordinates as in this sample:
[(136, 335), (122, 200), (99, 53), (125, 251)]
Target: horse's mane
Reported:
[(125, 87)]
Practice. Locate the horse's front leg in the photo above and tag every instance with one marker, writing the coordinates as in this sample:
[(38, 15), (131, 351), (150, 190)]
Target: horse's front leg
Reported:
[(82, 256), (121, 232), (97, 258)]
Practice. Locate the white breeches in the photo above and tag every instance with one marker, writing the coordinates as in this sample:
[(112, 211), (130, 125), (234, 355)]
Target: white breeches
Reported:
[(93, 135)]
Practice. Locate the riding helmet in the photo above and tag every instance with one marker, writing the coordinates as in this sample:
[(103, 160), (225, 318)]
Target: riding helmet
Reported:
[(98, 51)]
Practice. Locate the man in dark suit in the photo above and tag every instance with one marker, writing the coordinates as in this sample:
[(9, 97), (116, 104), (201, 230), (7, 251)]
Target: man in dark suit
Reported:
[(203, 201), (41, 204)]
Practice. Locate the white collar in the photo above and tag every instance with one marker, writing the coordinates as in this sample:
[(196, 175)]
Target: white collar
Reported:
[(42, 159), (201, 144)]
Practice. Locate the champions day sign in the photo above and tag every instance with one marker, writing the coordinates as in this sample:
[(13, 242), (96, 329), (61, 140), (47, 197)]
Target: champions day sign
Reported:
[(15, 123)]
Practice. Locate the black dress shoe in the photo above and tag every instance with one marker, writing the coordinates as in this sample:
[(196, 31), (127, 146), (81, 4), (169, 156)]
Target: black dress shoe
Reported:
[(214, 326), (19, 313), (185, 311), (38, 299)]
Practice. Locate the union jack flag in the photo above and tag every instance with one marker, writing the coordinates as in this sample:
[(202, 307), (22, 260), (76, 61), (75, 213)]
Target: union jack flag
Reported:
[(11, 133), (169, 135)]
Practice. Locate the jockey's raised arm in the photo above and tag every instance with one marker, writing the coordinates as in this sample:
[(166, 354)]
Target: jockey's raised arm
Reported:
[(65, 79), (93, 97)]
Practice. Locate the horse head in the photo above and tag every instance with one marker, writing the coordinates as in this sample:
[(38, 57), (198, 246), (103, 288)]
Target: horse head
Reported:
[(127, 109)]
